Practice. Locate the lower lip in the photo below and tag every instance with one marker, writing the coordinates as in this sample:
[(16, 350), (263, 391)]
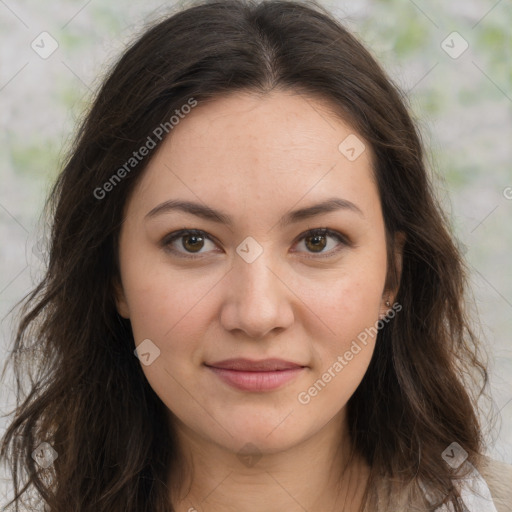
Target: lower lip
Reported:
[(256, 381)]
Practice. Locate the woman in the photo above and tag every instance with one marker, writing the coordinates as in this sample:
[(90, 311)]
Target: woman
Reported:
[(253, 300)]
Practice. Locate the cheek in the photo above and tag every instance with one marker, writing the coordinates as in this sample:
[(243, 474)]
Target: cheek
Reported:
[(161, 300), (171, 309), (349, 311), (351, 299)]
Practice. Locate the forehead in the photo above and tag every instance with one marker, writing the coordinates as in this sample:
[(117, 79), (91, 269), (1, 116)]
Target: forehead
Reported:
[(246, 148)]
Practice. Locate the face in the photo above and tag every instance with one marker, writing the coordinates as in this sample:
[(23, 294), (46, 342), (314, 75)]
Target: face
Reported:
[(254, 281)]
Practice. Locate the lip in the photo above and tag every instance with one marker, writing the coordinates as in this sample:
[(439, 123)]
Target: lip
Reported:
[(256, 376)]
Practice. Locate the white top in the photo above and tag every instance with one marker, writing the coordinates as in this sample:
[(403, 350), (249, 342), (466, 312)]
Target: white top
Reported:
[(475, 494)]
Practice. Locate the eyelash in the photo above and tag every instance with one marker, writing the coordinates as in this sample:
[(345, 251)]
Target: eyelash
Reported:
[(176, 235)]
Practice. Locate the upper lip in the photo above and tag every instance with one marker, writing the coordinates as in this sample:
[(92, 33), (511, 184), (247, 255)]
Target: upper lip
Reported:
[(248, 365)]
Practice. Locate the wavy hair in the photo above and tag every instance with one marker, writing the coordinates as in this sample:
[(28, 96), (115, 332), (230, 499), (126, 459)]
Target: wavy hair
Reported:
[(89, 399)]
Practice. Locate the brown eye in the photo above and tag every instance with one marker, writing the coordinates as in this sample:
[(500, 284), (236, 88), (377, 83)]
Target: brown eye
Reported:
[(323, 242), (192, 243), (318, 242)]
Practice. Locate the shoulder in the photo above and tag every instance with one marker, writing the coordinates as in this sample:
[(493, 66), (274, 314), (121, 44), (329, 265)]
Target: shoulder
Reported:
[(488, 484), (498, 477)]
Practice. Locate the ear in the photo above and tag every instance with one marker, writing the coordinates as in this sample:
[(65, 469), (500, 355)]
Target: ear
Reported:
[(120, 299), (393, 283)]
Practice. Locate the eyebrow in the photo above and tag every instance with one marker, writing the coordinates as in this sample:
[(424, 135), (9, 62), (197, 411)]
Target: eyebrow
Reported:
[(207, 213)]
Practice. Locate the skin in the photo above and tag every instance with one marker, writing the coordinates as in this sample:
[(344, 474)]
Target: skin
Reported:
[(256, 158)]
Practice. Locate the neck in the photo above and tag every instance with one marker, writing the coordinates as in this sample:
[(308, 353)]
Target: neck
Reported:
[(321, 474)]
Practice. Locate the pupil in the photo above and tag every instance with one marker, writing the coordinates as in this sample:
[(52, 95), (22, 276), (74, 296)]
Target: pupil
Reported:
[(195, 239), (316, 247)]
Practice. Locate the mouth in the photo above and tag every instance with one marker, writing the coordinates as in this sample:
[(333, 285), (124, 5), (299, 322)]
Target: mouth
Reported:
[(256, 376)]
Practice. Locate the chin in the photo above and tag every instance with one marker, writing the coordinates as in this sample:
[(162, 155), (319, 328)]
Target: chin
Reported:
[(266, 436)]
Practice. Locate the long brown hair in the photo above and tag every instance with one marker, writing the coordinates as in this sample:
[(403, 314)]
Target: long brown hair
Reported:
[(90, 400)]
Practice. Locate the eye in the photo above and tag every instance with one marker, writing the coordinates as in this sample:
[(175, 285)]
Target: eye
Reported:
[(316, 240), (194, 240)]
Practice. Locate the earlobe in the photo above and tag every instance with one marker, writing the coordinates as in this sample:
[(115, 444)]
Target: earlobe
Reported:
[(120, 300), (390, 293), (385, 307)]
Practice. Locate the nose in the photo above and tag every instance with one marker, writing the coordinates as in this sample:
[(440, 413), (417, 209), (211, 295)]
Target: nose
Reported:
[(258, 300)]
